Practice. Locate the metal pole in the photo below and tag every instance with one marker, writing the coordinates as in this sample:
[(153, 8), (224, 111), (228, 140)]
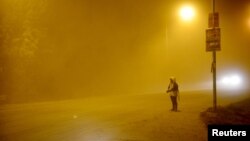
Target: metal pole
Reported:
[(214, 81), (214, 71)]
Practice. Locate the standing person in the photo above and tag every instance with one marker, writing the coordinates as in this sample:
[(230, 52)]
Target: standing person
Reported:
[(173, 90)]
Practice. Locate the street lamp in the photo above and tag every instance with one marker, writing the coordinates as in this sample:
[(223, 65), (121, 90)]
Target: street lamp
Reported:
[(187, 12), (184, 12)]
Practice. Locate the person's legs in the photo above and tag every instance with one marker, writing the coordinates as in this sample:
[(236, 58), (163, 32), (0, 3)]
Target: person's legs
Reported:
[(175, 103)]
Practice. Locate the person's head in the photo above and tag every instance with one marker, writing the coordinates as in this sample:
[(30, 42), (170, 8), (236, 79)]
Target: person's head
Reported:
[(172, 79)]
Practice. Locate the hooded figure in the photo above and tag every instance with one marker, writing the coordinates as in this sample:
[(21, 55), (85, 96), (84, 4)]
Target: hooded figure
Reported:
[(173, 91)]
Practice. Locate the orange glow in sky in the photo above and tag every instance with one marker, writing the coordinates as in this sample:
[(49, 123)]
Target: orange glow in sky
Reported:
[(58, 49)]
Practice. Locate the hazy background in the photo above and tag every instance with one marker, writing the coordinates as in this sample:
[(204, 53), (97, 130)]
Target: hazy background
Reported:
[(57, 49)]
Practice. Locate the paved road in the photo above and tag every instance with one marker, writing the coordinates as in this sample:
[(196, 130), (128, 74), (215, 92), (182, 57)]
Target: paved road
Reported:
[(110, 118)]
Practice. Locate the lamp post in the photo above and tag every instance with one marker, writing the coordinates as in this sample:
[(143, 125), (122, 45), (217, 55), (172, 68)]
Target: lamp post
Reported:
[(214, 70), (213, 44)]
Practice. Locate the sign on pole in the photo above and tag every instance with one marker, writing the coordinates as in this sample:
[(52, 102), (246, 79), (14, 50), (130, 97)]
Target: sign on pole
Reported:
[(213, 39), (213, 20)]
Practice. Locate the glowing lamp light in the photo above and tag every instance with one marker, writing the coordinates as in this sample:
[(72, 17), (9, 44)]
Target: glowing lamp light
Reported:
[(231, 81), (187, 13)]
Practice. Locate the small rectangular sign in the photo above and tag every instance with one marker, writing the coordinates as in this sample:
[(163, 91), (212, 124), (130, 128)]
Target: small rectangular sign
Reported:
[(213, 20), (213, 39)]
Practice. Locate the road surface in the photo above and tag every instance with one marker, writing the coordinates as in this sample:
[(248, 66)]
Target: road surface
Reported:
[(107, 118)]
